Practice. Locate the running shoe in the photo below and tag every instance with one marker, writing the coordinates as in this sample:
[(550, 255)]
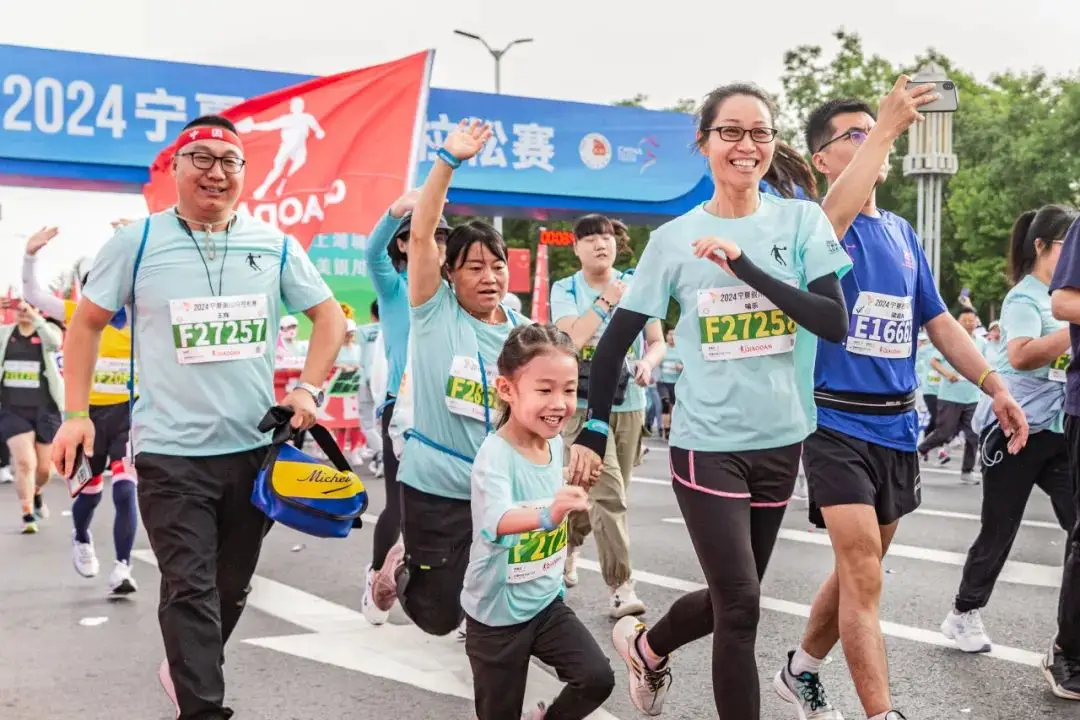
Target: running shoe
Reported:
[(372, 614), (384, 584), (1063, 673), (165, 678), (120, 580), (624, 601), (805, 692), (83, 556), (967, 631), (6, 476), (29, 524), (970, 478), (569, 572), (648, 688)]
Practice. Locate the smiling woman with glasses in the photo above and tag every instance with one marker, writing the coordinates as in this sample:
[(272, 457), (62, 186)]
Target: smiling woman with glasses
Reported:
[(756, 276)]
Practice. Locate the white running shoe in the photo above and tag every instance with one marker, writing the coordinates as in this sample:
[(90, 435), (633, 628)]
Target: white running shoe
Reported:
[(120, 580), (967, 631), (83, 556), (167, 684), (805, 692), (624, 601), (648, 688), (372, 614), (569, 572), (6, 476), (970, 478)]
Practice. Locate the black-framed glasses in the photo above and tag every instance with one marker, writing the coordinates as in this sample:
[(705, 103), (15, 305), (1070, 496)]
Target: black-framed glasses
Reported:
[(734, 133), (204, 161), (856, 136)]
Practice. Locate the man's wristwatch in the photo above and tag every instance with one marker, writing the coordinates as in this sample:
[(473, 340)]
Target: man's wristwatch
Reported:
[(316, 392)]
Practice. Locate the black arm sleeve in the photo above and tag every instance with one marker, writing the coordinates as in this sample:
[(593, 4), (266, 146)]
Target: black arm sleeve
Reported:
[(611, 351), (820, 308)]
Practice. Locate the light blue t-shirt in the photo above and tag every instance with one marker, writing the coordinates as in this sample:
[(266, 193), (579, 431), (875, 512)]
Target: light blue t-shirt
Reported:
[(511, 578), (572, 297), (1025, 313), (929, 378), (963, 391), (204, 408), (747, 381), (447, 386), (671, 366), (392, 292)]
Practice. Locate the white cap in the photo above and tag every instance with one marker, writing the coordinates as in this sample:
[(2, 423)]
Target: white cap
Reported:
[(350, 326), (288, 321)]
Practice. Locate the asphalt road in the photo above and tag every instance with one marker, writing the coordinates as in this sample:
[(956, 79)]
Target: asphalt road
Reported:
[(304, 652)]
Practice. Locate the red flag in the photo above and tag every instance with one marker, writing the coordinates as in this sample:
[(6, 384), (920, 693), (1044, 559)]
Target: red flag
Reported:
[(540, 287), (325, 156), (518, 262)]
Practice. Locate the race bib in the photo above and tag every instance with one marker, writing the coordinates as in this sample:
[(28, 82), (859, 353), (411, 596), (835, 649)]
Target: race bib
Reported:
[(670, 367), (739, 322), (536, 552), (111, 376), (465, 389), (344, 383), (933, 378), (22, 374), (217, 329), (880, 326), (1059, 366)]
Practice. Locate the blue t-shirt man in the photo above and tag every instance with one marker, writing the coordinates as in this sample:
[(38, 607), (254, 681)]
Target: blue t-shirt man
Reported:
[(1067, 277), (890, 294)]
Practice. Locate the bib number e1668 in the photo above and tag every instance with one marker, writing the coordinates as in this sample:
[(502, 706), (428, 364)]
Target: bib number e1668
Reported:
[(536, 552), (217, 329), (1059, 366), (739, 322), (22, 374), (880, 326), (465, 389)]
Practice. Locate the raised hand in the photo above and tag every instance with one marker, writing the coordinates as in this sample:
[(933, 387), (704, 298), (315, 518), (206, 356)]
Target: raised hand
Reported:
[(468, 139), (40, 239), (900, 108)]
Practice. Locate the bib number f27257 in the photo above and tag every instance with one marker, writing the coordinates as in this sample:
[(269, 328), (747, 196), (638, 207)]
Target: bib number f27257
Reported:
[(465, 389), (739, 322), (880, 326), (217, 329), (536, 553), (1059, 366)]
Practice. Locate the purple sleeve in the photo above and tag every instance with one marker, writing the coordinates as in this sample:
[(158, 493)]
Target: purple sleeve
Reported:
[(1067, 274)]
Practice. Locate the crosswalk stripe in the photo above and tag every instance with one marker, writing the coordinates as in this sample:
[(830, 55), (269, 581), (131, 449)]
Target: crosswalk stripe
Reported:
[(1042, 524)]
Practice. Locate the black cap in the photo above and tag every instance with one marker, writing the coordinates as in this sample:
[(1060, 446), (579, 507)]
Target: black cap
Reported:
[(406, 225)]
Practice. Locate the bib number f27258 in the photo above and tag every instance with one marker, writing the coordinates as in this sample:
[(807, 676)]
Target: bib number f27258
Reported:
[(465, 389), (739, 322), (536, 553), (880, 326), (1059, 366), (217, 329)]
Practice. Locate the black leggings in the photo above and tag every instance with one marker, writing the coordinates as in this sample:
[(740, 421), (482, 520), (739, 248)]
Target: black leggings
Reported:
[(1007, 485), (733, 505), (388, 526)]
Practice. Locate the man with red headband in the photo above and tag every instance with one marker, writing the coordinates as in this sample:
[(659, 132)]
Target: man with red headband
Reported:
[(204, 325)]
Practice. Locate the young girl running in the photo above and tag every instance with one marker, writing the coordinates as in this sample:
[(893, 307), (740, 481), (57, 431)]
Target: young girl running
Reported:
[(513, 589)]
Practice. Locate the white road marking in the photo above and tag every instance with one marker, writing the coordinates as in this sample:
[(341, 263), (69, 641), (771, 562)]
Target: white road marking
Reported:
[(341, 636), (1042, 524), (1018, 573)]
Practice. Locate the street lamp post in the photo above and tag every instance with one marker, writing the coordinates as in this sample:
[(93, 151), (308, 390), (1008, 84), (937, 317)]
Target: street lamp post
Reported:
[(498, 55), (931, 160)]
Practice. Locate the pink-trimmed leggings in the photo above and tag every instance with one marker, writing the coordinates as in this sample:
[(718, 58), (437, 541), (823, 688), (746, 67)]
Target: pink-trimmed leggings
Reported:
[(733, 505)]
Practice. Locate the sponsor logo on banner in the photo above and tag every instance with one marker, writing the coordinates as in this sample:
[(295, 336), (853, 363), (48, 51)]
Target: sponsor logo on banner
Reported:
[(327, 155), (595, 151)]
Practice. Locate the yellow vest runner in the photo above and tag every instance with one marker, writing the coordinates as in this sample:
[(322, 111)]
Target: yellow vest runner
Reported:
[(111, 372)]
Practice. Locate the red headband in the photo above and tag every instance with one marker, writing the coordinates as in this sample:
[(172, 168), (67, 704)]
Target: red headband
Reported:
[(206, 132)]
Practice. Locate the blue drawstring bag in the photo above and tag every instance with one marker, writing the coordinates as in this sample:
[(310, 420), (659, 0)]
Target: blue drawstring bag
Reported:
[(303, 493)]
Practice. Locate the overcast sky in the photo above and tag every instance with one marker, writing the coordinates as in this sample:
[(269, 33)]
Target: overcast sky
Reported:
[(585, 50)]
